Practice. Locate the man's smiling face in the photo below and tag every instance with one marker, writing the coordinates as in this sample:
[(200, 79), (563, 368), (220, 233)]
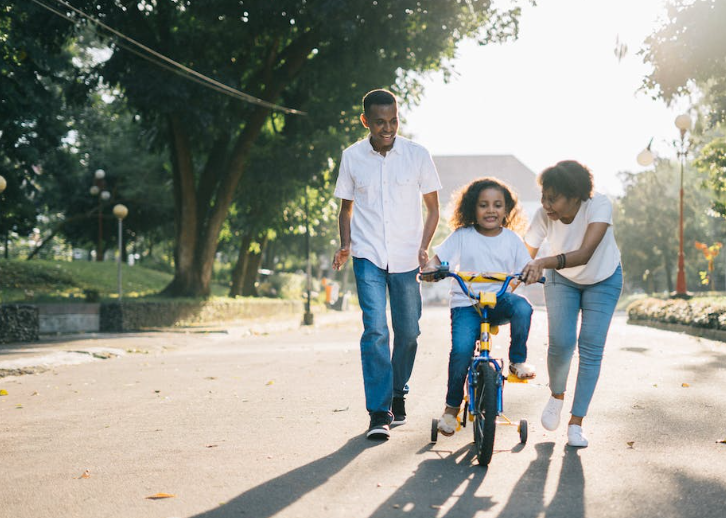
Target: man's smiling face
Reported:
[(382, 121)]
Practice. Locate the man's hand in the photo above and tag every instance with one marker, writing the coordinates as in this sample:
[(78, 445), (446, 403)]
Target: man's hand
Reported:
[(423, 258), (341, 256)]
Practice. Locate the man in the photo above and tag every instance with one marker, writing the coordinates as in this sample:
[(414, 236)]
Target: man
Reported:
[(384, 177)]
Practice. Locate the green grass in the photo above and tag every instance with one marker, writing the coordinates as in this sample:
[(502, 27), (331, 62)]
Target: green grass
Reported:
[(67, 281)]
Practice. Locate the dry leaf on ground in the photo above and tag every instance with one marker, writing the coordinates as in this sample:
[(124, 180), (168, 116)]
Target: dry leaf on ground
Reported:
[(159, 496)]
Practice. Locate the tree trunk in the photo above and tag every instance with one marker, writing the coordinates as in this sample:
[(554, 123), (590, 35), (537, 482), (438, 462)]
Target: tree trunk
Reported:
[(668, 272), (253, 265), (198, 222), (238, 274)]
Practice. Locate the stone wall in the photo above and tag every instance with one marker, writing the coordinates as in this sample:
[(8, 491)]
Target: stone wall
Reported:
[(19, 323)]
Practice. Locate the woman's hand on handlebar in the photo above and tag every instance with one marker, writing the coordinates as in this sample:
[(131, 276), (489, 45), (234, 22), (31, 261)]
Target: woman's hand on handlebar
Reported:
[(532, 272)]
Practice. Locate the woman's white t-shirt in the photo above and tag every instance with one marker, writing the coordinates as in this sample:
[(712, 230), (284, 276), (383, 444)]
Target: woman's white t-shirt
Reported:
[(467, 250), (564, 238)]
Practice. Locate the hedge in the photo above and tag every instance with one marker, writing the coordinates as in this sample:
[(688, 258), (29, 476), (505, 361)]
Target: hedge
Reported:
[(699, 312)]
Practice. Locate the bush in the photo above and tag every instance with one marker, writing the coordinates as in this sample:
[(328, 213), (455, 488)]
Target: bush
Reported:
[(699, 312)]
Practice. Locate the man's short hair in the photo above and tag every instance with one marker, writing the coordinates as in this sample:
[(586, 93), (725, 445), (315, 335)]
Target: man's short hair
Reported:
[(378, 96)]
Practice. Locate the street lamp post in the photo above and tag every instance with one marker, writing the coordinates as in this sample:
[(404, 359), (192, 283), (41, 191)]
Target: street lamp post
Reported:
[(683, 123), (99, 189), (120, 211), (645, 158), (308, 317), (4, 184)]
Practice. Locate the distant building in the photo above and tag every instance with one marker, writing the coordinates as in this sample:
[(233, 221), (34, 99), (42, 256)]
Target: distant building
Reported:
[(456, 171)]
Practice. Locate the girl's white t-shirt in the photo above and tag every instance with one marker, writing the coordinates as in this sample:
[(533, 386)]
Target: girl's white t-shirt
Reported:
[(564, 238), (467, 250)]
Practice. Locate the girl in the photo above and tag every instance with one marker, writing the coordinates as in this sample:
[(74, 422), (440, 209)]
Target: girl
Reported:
[(483, 240)]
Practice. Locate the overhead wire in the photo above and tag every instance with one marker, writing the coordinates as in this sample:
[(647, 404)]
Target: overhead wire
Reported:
[(162, 60)]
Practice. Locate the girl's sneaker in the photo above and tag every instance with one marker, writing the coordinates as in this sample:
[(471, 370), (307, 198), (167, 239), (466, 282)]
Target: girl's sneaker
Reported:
[(447, 424), (523, 371)]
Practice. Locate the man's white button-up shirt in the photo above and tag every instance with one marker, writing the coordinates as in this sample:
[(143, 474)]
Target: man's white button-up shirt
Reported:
[(387, 223)]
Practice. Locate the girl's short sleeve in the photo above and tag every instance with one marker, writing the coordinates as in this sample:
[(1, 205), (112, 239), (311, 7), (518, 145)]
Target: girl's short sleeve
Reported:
[(537, 231), (449, 250)]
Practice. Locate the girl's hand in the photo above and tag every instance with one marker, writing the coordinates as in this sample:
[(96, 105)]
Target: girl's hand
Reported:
[(532, 272)]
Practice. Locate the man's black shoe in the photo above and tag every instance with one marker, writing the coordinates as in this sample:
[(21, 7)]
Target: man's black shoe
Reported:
[(379, 430), (398, 407)]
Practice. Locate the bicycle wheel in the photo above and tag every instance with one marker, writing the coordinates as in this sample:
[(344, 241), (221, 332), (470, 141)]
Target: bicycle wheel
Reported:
[(485, 419)]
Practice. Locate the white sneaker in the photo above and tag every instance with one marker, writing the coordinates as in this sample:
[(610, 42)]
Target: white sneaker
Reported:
[(576, 437), (551, 414), (447, 424)]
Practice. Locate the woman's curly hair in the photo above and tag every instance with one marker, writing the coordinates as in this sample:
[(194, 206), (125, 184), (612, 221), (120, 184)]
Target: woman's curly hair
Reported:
[(466, 201), (568, 178)]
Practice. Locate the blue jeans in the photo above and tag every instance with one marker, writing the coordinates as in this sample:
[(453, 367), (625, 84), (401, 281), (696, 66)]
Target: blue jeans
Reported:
[(566, 301), (466, 328), (386, 375)]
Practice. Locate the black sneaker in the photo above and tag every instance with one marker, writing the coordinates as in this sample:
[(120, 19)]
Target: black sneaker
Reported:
[(398, 407), (379, 430)]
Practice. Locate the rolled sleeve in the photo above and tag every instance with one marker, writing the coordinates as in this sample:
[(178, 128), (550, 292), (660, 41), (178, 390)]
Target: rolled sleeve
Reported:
[(344, 186)]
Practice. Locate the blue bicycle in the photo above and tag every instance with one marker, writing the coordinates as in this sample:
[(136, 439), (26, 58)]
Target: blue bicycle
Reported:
[(485, 380)]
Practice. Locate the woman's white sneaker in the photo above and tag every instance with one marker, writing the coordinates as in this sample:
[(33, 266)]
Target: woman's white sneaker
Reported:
[(551, 413), (576, 437)]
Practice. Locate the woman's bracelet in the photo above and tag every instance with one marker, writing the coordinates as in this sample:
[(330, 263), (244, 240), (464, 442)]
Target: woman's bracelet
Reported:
[(561, 261)]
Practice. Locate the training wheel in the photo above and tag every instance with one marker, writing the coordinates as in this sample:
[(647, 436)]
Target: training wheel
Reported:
[(434, 429), (523, 431)]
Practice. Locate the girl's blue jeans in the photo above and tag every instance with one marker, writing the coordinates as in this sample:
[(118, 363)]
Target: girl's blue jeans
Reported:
[(595, 305), (465, 330), (386, 375)]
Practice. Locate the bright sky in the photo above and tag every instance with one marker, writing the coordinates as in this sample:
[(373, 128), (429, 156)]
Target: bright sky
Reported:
[(556, 93)]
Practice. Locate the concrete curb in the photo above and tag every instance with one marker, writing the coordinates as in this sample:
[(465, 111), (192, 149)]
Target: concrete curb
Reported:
[(701, 332)]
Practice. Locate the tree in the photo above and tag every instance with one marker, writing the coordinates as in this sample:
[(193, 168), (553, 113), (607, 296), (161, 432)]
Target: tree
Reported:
[(308, 55), (35, 80), (646, 227), (687, 55)]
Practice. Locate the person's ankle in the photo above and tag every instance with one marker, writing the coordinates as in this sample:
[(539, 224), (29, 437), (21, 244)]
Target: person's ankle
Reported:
[(451, 410), (559, 396), (575, 420)]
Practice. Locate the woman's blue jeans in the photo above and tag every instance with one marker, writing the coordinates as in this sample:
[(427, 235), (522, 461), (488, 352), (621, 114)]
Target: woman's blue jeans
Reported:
[(466, 328), (595, 304), (386, 375)]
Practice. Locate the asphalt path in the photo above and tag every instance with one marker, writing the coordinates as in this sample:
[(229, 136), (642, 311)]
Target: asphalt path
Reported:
[(229, 423)]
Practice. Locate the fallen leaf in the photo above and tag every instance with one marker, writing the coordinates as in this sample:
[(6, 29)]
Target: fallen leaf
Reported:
[(159, 496), (18, 406), (685, 385), (211, 446), (36, 393), (396, 506), (270, 382), (723, 441), (341, 409), (630, 443), (86, 474), (3, 392)]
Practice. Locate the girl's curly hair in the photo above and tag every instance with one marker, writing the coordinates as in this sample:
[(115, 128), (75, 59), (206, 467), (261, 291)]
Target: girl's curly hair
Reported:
[(466, 200)]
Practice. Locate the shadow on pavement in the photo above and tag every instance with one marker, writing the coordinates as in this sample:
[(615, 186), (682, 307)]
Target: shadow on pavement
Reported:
[(273, 496), (434, 483)]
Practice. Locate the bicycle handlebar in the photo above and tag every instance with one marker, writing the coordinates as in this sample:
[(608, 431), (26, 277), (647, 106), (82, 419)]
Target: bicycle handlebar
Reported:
[(461, 277)]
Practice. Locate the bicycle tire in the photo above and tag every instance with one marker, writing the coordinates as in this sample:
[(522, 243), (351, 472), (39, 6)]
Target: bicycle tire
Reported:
[(485, 419)]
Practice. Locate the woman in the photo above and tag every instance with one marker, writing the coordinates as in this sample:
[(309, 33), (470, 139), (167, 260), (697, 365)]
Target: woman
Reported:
[(584, 278)]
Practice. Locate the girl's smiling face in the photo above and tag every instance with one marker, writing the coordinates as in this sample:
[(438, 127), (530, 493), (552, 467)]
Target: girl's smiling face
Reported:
[(491, 209)]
